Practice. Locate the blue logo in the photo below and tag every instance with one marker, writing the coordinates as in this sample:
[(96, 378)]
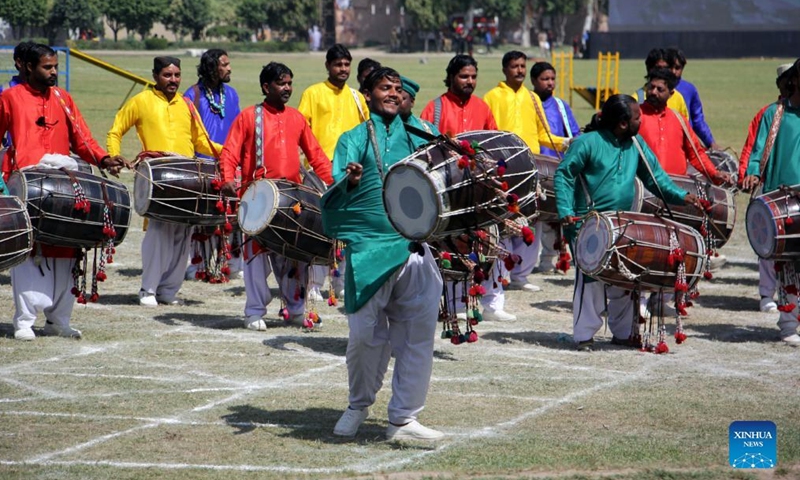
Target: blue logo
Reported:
[(753, 444)]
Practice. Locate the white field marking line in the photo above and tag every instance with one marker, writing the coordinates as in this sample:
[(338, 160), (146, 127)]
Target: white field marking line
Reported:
[(166, 421), (84, 351), (177, 466), (96, 441), (41, 392), (484, 432)]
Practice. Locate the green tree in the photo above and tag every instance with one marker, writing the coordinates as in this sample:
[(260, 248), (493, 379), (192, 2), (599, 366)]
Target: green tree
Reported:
[(559, 11), (135, 15), (292, 17), (72, 14), (253, 14), (430, 14), (188, 17), (23, 14)]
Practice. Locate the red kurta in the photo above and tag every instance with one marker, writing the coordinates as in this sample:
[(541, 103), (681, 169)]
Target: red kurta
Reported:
[(664, 135), (283, 131), (21, 107), (458, 117)]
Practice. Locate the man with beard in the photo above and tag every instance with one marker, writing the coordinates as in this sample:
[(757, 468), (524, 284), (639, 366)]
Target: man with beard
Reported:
[(601, 165), (165, 122), (657, 59), (282, 130), (458, 110), (43, 119), (392, 287), (218, 104), (332, 108), (677, 62), (516, 109), (773, 162)]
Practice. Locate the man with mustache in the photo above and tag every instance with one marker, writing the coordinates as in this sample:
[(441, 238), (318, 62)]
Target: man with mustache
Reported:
[(218, 104), (43, 119), (332, 108), (596, 175), (282, 131), (164, 122), (392, 286)]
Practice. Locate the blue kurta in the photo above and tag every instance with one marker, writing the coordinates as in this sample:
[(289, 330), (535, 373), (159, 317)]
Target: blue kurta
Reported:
[(556, 122), (695, 107), (357, 216), (217, 126)]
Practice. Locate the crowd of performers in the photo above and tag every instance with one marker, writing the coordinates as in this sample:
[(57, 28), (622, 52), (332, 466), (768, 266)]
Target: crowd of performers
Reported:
[(350, 138)]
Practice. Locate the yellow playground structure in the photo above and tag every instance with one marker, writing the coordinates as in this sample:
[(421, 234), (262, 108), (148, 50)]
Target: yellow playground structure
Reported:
[(607, 83)]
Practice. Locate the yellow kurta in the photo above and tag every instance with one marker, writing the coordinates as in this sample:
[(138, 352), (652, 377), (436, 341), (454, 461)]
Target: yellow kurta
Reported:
[(161, 125), (675, 102), (331, 111), (514, 112)]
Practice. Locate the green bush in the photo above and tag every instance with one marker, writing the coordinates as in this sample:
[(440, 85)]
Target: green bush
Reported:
[(156, 43), (127, 44)]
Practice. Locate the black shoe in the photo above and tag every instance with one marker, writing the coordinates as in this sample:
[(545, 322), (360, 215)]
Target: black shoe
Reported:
[(586, 346), (626, 342)]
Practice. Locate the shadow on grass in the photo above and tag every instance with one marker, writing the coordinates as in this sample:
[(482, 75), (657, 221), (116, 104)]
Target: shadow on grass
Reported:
[(565, 281), (206, 320), (554, 340), (314, 424), (5, 279), (719, 280), (557, 306), (128, 272), (746, 265), (735, 333), (726, 302), (312, 341)]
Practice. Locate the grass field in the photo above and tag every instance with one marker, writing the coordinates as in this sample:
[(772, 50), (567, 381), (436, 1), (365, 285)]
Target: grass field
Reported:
[(184, 392)]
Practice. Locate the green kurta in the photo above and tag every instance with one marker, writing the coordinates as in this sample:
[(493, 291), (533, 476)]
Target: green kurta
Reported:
[(783, 167), (357, 216), (609, 167)]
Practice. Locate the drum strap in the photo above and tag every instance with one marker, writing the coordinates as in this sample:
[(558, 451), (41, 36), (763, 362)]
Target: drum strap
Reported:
[(643, 159), (358, 104), (564, 118), (74, 121), (689, 139), (373, 140), (640, 96), (437, 112), (201, 126), (773, 133), (543, 121), (259, 138)]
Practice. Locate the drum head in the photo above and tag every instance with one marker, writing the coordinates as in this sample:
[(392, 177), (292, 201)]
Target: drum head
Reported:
[(412, 202), (594, 241), (17, 186), (761, 228), (257, 206), (142, 187)]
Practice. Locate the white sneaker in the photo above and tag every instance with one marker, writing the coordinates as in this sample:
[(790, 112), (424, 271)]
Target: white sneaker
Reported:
[(169, 301), (25, 334), (147, 299), (255, 322), (340, 293), (793, 340), (717, 262), (413, 431), (498, 316), (528, 287), (314, 295), (768, 305), (348, 423), (51, 329)]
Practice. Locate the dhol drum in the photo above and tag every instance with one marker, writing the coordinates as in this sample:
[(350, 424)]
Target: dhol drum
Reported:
[(721, 218), (773, 224), (16, 234), (725, 161), (542, 206), (51, 198), (430, 195), (467, 250), (629, 249), (285, 218), (177, 189)]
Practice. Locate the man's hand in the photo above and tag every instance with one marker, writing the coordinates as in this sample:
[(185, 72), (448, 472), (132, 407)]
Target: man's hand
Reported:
[(568, 142), (229, 189), (114, 164), (569, 220), (750, 182), (354, 171), (691, 199), (721, 178)]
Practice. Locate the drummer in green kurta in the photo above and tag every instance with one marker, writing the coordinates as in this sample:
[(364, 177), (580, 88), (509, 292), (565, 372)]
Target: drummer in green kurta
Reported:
[(606, 161), (392, 293)]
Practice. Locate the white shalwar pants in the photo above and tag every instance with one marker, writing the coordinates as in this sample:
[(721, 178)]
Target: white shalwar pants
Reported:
[(494, 299), (47, 290), (767, 278), (256, 271), (165, 249), (528, 255), (588, 303), (319, 273), (400, 320)]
